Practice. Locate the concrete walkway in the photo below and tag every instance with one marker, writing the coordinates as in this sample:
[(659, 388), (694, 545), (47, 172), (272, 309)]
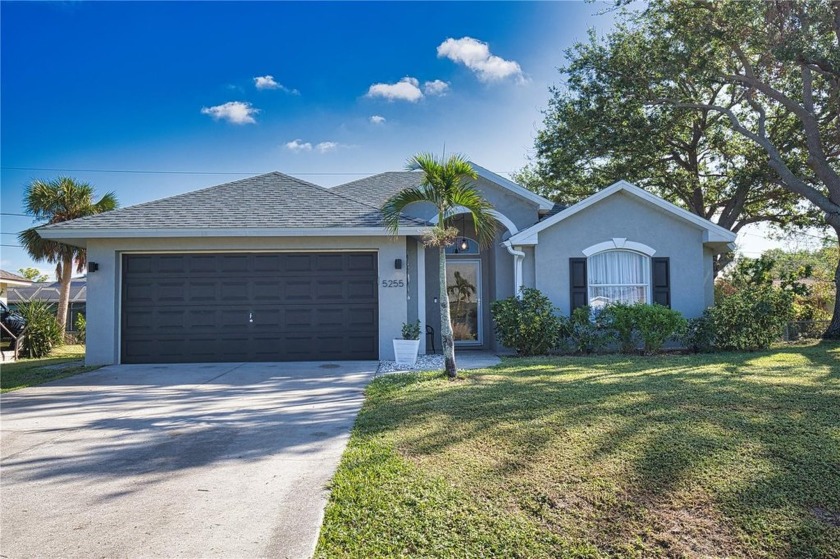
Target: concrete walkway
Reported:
[(208, 460)]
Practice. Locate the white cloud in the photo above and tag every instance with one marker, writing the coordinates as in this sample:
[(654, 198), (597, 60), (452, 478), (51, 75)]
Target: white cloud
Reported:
[(325, 147), (298, 146), (407, 89), (268, 82), (437, 87), (235, 112), (475, 55), (377, 119)]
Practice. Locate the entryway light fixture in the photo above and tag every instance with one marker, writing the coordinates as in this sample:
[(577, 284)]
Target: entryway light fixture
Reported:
[(92, 267)]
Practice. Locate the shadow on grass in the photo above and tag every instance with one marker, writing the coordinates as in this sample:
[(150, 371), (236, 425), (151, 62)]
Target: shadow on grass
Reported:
[(689, 454)]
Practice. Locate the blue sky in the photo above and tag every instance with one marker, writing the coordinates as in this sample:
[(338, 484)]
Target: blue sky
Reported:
[(204, 93)]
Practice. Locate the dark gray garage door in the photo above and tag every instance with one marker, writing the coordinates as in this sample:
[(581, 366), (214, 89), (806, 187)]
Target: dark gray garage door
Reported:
[(194, 308)]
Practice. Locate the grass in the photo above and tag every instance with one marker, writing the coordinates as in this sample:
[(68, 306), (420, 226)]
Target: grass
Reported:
[(63, 361), (728, 455)]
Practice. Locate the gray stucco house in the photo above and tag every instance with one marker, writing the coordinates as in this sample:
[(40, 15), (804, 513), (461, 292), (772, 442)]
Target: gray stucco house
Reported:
[(273, 268)]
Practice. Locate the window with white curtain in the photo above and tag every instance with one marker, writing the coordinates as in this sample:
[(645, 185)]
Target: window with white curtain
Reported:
[(618, 276)]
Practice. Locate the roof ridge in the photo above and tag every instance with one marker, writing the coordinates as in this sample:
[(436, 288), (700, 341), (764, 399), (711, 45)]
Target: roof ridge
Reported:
[(371, 177)]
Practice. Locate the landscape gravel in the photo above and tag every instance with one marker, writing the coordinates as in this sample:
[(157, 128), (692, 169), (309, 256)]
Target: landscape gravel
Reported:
[(424, 363)]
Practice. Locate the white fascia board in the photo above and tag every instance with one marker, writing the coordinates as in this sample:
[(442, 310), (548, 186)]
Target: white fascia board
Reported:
[(103, 233), (15, 283), (712, 230), (520, 190)]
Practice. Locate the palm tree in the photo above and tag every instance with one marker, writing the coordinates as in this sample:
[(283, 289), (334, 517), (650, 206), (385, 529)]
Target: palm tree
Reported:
[(55, 201), (446, 184)]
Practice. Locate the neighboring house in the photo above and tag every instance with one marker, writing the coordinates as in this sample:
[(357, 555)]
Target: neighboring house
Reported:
[(273, 268), (9, 280), (49, 292)]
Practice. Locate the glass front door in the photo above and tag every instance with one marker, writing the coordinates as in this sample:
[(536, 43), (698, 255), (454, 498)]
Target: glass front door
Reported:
[(463, 286)]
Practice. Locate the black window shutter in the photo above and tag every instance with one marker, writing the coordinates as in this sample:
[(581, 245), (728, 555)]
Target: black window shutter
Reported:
[(662, 282), (578, 288)]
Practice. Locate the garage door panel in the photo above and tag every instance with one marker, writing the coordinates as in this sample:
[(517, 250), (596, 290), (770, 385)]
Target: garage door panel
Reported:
[(196, 307), (361, 262)]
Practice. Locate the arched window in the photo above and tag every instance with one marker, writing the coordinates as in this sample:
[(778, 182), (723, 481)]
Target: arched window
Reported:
[(618, 276), (463, 245)]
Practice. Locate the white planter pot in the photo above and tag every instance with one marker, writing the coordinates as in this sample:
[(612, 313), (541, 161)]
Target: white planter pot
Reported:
[(405, 351)]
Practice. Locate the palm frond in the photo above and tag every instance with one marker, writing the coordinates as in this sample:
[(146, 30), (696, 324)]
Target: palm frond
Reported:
[(107, 203), (484, 222), (393, 207)]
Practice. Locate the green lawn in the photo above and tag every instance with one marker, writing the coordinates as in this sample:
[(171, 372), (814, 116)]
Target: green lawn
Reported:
[(728, 455), (64, 361)]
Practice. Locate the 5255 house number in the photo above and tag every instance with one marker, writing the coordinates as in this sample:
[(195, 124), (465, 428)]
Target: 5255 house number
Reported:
[(393, 283)]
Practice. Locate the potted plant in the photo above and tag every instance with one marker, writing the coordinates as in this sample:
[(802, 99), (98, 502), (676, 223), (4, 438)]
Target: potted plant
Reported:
[(405, 349)]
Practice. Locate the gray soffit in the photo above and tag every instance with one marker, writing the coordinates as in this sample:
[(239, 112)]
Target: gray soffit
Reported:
[(264, 202)]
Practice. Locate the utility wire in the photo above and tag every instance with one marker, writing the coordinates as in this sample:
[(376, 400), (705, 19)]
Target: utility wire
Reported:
[(158, 172), (151, 172)]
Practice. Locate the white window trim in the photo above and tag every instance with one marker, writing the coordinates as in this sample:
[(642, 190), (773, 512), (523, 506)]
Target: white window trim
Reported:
[(619, 243)]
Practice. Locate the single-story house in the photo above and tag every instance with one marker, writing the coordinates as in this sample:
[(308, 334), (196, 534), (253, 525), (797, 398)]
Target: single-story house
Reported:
[(9, 280), (48, 292), (273, 268)]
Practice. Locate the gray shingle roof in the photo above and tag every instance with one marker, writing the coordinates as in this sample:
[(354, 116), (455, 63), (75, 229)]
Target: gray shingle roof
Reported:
[(273, 200), (377, 189), (555, 209), (4, 275)]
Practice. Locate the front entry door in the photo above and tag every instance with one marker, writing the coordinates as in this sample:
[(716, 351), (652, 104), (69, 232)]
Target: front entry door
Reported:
[(463, 286)]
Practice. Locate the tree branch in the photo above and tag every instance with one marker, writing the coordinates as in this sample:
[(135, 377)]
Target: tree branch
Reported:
[(791, 181)]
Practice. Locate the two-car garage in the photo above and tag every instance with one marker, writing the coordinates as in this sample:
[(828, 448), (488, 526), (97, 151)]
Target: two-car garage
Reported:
[(249, 306)]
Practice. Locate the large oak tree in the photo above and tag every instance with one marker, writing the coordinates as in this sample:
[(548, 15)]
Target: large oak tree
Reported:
[(729, 108)]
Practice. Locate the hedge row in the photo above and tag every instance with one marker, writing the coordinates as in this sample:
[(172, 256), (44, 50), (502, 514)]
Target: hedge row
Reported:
[(748, 320)]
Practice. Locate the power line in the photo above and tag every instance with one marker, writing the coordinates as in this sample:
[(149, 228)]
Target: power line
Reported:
[(158, 172), (152, 172), (16, 215), (13, 246)]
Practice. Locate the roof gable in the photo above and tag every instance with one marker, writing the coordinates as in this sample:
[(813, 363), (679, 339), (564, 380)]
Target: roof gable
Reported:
[(713, 233), (543, 203)]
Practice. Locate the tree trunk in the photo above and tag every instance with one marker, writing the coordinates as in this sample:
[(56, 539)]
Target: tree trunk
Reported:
[(833, 330), (446, 337), (64, 293)]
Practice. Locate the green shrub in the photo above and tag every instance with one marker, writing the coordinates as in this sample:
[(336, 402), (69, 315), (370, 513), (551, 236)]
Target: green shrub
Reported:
[(752, 318), (656, 324), (528, 324), (584, 332), (621, 319), (411, 330), (699, 334), (42, 330), (81, 329)]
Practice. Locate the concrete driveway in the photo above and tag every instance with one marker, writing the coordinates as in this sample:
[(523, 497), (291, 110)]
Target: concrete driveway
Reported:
[(207, 460)]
